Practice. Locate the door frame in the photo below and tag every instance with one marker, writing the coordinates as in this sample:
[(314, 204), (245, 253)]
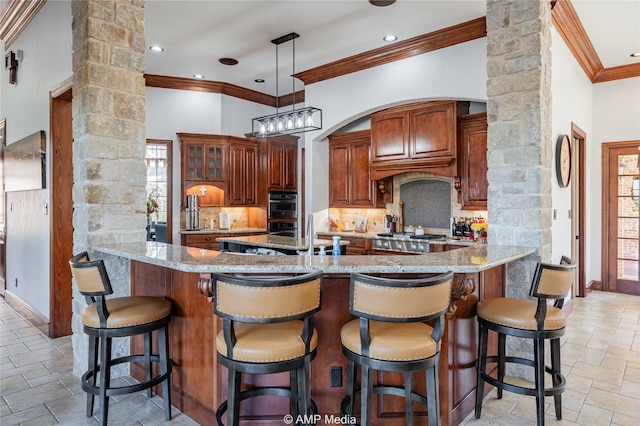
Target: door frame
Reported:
[(579, 137), (3, 219), (606, 205), (169, 145), (61, 211)]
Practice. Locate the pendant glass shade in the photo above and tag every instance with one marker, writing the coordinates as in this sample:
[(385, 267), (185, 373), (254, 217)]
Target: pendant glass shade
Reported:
[(287, 123)]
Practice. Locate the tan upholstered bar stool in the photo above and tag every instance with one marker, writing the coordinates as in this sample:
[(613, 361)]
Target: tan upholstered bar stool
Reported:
[(529, 319), (104, 319), (391, 335), (267, 328)]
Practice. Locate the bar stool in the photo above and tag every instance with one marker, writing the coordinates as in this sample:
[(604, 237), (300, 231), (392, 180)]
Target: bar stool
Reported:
[(530, 319), (390, 335), (267, 328), (104, 319)]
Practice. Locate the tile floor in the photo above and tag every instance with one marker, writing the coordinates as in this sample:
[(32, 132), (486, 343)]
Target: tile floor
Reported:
[(600, 354)]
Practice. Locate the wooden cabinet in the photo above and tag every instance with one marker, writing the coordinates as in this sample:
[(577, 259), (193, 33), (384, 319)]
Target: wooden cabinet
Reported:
[(208, 241), (282, 163), (225, 165), (415, 137), (472, 161), (358, 245), (350, 184), (243, 164)]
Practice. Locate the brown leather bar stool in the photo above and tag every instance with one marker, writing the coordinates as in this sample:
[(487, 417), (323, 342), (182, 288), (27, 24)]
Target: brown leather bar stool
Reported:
[(104, 319), (391, 335), (529, 319), (267, 328)]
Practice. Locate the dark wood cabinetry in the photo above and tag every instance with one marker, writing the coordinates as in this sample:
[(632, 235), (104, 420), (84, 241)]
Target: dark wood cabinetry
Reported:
[(208, 241), (350, 184), (358, 245), (415, 137), (228, 164), (472, 161), (243, 166), (282, 164)]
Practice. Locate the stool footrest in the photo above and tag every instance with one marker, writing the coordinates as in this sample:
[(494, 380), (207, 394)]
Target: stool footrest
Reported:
[(522, 390), (262, 391), (382, 389), (88, 376)]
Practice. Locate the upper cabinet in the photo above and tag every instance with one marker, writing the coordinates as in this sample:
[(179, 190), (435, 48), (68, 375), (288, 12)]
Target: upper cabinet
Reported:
[(282, 163), (472, 161), (221, 169), (350, 184), (415, 137)]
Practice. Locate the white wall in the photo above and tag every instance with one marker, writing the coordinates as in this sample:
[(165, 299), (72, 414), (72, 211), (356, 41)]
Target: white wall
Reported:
[(571, 103), (616, 118), (25, 105), (457, 72)]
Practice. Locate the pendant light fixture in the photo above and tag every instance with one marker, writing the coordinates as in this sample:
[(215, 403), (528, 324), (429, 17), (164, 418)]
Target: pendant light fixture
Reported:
[(291, 121)]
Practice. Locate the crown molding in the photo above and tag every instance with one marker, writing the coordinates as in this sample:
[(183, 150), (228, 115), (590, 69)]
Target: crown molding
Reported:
[(567, 23), (15, 18), (440, 39)]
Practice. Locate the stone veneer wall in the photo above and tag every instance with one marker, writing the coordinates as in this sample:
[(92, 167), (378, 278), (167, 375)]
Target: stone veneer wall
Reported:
[(109, 141), (519, 138)]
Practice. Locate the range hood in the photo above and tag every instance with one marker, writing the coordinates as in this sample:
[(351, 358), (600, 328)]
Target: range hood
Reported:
[(443, 167)]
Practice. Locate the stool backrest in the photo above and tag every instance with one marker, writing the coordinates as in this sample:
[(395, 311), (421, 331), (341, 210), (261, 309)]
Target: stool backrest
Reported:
[(92, 282), (399, 300), (553, 281), (270, 299)]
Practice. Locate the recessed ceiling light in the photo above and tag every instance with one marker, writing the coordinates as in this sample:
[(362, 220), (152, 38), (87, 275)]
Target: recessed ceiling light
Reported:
[(200, 76), (390, 37), (156, 48), (228, 61), (382, 3), (635, 55), (259, 80)]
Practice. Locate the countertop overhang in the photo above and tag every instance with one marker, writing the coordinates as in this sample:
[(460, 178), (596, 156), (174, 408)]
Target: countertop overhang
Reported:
[(190, 259)]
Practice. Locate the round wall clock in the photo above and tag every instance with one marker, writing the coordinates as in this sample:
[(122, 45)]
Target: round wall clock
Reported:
[(563, 160)]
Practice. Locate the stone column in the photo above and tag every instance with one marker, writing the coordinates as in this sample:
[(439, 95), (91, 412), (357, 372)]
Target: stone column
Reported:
[(109, 169), (519, 135)]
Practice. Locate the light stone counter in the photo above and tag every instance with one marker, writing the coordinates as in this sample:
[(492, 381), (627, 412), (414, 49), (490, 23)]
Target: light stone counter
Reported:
[(278, 242), (189, 259)]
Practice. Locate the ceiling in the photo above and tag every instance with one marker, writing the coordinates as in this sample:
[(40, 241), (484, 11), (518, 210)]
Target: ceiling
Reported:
[(195, 34)]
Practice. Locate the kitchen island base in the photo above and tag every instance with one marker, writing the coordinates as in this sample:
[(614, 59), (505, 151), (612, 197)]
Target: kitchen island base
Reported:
[(199, 382)]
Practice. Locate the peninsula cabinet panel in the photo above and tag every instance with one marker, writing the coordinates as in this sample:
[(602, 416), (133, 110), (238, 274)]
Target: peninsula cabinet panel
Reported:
[(350, 184), (472, 145), (282, 166)]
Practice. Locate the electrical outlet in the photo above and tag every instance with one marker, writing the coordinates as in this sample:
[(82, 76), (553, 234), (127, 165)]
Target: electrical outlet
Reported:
[(335, 377), (16, 282), (555, 214)]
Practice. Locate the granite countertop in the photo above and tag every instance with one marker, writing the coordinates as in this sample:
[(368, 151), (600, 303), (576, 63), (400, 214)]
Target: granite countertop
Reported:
[(278, 242), (371, 235), (223, 231), (191, 259)]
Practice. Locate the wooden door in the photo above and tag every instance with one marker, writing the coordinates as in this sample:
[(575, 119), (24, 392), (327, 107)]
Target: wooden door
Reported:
[(472, 161), (290, 161), (621, 217), (338, 174), (362, 187), (390, 135), (276, 165)]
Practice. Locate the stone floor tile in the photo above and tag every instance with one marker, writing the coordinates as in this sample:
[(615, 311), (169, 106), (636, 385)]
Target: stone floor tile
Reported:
[(590, 416), (71, 410), (572, 400), (36, 356), (32, 397), (18, 348), (578, 383), (14, 384), (630, 388), (622, 420), (632, 373), (613, 402), (45, 420), (25, 415), (597, 373)]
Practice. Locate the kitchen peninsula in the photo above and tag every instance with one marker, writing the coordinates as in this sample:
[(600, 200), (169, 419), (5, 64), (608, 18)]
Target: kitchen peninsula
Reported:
[(183, 275)]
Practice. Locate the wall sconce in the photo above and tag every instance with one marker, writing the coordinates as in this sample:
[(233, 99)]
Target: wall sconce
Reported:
[(11, 63)]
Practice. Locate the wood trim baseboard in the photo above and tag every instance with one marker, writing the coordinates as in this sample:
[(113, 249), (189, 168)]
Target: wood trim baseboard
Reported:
[(33, 316), (594, 285)]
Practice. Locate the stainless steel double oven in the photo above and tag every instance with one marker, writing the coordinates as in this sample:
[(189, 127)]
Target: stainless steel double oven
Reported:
[(283, 214)]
